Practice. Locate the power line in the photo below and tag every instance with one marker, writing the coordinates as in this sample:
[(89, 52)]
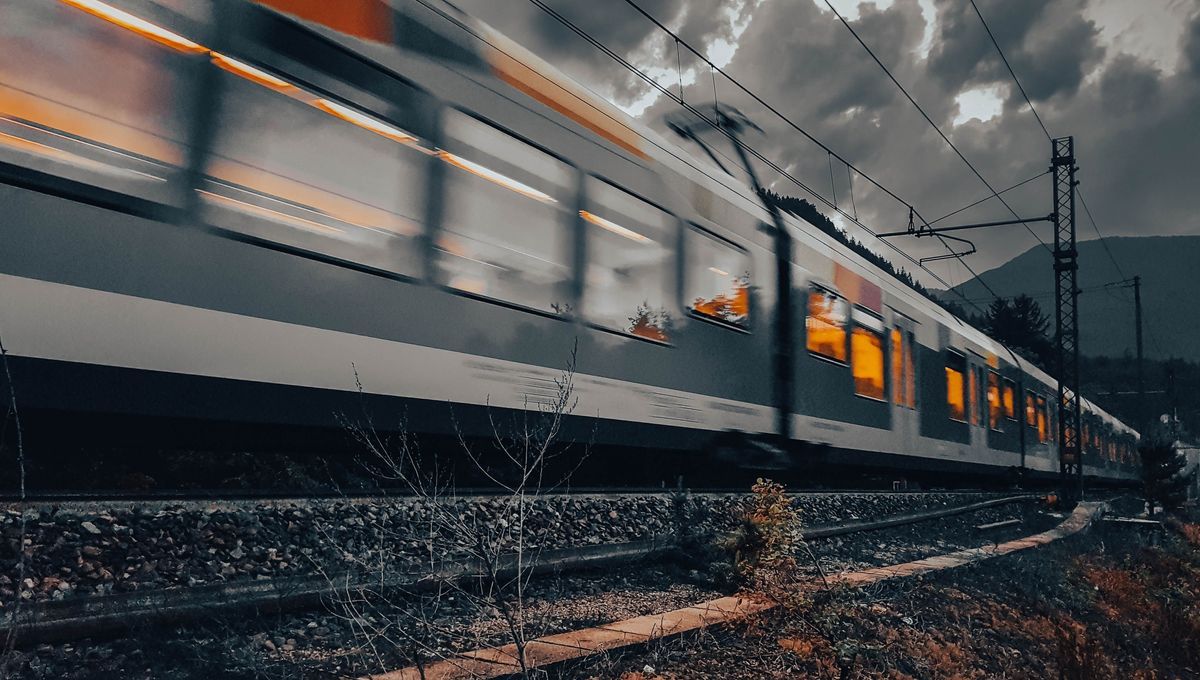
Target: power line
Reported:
[(988, 198), (1010, 69), (759, 100), (754, 152), (1078, 191), (1104, 242), (830, 152), (929, 120)]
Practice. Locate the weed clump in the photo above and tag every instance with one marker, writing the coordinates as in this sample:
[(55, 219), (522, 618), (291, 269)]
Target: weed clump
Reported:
[(766, 542)]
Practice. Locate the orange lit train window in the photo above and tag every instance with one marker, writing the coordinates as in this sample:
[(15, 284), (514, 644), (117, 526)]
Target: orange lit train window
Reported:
[(1043, 424), (1009, 399), (866, 355), (717, 278), (993, 400), (1030, 409), (955, 398), (826, 324)]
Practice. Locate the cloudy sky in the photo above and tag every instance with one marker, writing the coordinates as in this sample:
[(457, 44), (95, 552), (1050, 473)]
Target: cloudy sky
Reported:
[(1122, 76)]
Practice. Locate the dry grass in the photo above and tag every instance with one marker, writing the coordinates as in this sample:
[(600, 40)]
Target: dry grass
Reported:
[(1114, 605)]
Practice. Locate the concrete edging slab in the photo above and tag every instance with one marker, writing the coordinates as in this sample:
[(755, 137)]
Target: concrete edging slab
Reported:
[(501, 661)]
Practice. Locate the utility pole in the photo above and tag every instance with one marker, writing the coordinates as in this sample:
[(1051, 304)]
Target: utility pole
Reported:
[(1141, 372), (1066, 312)]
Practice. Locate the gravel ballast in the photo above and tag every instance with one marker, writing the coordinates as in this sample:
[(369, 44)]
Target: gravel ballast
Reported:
[(326, 643), (81, 549)]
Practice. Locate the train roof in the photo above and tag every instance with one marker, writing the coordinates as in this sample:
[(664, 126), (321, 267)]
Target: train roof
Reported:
[(478, 46)]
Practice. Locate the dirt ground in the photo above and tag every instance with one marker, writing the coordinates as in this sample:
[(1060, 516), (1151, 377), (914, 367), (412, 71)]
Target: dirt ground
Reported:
[(1116, 602)]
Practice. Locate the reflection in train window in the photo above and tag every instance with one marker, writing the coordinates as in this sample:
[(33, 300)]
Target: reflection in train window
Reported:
[(1030, 409), (866, 355), (956, 366), (993, 400), (826, 324), (300, 168), (717, 278), (84, 98), (629, 243), (1010, 399), (506, 227)]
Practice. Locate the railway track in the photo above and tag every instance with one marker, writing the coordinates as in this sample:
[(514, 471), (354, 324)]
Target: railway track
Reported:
[(205, 495), (115, 614)]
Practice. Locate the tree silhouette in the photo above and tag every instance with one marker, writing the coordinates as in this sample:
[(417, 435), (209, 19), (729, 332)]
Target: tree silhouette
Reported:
[(1161, 465), (732, 308), (1020, 324), (650, 323)]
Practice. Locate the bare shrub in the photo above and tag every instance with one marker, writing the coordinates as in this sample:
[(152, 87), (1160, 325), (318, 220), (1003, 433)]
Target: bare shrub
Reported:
[(469, 586)]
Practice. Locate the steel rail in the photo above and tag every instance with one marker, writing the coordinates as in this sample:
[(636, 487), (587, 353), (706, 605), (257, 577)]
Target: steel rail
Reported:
[(110, 616)]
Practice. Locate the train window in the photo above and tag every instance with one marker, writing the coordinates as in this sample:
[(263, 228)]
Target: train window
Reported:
[(956, 365), (826, 324), (1030, 409), (1043, 425), (505, 230), (866, 355), (294, 166), (717, 279), (1009, 399), (995, 407), (92, 100), (629, 246)]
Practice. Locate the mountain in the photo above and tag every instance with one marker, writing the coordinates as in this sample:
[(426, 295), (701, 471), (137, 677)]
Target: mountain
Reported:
[(1170, 271)]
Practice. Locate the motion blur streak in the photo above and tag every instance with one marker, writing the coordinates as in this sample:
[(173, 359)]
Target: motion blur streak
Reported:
[(137, 25)]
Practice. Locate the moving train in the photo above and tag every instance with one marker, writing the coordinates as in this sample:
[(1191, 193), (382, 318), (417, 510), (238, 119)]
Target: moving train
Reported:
[(262, 214)]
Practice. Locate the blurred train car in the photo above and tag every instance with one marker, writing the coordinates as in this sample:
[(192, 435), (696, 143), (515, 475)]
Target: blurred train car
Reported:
[(231, 213)]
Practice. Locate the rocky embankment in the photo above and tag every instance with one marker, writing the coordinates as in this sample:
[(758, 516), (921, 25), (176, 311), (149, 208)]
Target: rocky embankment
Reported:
[(95, 549)]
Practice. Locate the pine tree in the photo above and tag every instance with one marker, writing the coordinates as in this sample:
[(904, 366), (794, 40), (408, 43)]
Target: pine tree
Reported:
[(1161, 463)]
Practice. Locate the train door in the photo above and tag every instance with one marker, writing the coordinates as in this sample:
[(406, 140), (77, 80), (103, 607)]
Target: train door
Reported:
[(902, 364), (977, 403)]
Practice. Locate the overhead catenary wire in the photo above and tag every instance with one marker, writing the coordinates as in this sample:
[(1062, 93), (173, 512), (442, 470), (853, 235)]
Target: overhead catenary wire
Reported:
[(955, 149), (850, 184), (988, 198), (751, 150), (1088, 211), (1049, 137), (802, 131), (1010, 69), (760, 101)]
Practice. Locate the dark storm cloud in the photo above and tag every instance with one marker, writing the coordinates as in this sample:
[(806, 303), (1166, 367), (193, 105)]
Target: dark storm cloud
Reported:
[(1136, 125), (611, 22), (1051, 45), (1191, 49), (1129, 86)]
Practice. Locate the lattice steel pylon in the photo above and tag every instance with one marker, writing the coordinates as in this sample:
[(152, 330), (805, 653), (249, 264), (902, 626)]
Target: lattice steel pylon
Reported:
[(1066, 312)]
